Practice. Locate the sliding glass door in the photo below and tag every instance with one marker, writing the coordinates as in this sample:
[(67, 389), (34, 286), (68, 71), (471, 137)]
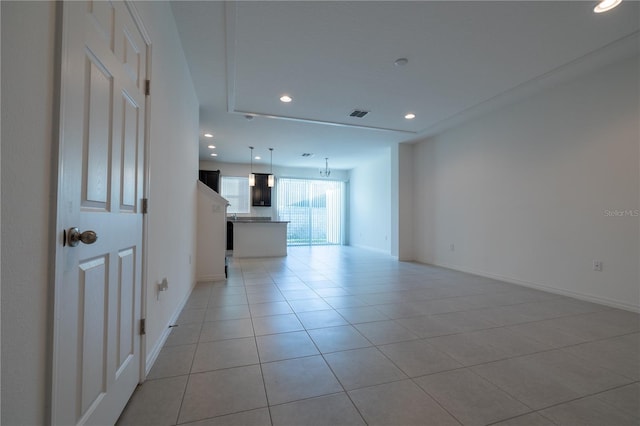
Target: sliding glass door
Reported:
[(314, 209)]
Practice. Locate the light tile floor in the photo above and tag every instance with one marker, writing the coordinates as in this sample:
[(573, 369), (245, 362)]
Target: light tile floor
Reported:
[(342, 336)]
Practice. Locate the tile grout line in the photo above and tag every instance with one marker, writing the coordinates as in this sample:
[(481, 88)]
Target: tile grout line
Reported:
[(255, 342), (507, 327), (186, 386), (538, 411), (326, 362)]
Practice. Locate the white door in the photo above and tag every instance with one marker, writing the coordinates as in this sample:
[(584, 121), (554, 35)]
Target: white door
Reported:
[(96, 348)]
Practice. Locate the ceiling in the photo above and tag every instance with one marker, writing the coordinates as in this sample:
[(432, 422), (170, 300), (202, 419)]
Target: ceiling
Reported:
[(336, 57)]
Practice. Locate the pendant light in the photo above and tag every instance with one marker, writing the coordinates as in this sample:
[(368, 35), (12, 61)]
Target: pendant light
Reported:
[(271, 180), (252, 177), (326, 172)]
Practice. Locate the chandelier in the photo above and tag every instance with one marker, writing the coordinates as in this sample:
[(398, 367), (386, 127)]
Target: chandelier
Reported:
[(326, 172)]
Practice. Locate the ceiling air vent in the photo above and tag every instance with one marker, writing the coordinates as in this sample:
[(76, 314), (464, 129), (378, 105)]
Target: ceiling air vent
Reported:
[(358, 113)]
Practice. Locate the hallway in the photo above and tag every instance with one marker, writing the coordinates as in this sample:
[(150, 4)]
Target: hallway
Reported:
[(341, 336)]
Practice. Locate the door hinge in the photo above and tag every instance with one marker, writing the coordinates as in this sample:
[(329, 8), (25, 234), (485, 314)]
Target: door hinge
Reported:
[(147, 87), (143, 326), (145, 205)]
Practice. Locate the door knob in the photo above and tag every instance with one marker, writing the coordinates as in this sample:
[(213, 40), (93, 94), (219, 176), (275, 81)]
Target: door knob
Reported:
[(75, 237)]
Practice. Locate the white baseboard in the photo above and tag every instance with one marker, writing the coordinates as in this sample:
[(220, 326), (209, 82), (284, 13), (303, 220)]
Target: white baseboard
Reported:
[(377, 250), (577, 295), (155, 351)]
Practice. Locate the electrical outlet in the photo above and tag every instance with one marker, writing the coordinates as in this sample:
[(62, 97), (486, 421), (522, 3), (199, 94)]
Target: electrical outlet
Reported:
[(597, 265)]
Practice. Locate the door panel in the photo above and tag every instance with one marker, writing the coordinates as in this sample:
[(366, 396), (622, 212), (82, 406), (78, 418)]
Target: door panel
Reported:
[(94, 288), (97, 138), (131, 117), (131, 57), (103, 16), (126, 312), (98, 288)]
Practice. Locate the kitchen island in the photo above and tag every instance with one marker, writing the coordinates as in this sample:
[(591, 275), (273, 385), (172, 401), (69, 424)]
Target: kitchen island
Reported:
[(259, 238)]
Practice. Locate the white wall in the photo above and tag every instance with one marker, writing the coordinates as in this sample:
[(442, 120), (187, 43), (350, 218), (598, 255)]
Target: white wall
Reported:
[(28, 35), (211, 237), (522, 193), (28, 82), (370, 204), (173, 174), (402, 244)]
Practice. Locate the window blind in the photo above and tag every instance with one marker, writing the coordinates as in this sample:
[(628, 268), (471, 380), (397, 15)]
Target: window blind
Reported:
[(314, 209), (236, 190)]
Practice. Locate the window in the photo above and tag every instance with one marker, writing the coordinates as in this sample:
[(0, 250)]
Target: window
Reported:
[(313, 209), (236, 191)]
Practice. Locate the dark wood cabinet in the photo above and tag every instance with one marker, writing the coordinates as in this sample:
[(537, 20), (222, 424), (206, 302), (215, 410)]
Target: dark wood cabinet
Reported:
[(261, 193), (211, 178), (229, 235)]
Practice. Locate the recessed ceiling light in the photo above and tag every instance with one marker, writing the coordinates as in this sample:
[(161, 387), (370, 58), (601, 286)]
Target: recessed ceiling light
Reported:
[(286, 98), (410, 116), (606, 5), (211, 146), (257, 157), (208, 135), (213, 154)]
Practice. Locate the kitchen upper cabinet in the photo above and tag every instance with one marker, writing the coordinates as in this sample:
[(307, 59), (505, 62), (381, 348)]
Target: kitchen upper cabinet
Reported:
[(211, 178), (261, 193)]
